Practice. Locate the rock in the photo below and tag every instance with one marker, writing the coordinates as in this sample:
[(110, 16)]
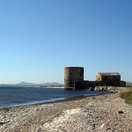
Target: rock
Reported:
[(108, 128), (120, 112), (1, 123), (102, 126), (99, 88), (91, 89), (102, 89), (96, 89), (91, 127), (105, 87)]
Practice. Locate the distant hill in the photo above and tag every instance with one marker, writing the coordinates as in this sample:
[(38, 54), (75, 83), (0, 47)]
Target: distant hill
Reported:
[(26, 83), (129, 83), (52, 83), (41, 84)]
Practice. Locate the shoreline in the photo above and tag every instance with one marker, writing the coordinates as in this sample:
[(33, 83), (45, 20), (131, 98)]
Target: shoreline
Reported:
[(34, 86), (97, 113), (55, 101)]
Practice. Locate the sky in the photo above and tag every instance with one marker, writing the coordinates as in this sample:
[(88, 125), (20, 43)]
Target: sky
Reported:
[(38, 38)]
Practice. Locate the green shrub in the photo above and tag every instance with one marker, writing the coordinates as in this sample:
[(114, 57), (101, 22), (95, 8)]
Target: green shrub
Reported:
[(129, 86), (129, 99), (124, 95), (127, 96)]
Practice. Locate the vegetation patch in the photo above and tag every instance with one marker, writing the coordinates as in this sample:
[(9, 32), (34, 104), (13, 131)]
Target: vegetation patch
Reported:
[(127, 96)]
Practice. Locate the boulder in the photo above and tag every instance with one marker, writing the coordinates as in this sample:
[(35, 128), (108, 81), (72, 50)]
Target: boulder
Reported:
[(91, 89)]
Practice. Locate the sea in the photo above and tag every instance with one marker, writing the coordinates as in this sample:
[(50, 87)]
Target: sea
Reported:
[(18, 96)]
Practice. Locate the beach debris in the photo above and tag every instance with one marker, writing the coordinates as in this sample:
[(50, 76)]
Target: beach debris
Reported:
[(37, 109), (102, 125), (1, 123), (120, 112), (108, 128)]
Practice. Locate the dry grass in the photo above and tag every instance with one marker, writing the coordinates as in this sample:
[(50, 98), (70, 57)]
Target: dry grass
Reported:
[(127, 96)]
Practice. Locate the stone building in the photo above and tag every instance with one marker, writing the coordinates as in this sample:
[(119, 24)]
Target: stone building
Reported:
[(72, 75), (107, 76), (109, 79), (73, 79)]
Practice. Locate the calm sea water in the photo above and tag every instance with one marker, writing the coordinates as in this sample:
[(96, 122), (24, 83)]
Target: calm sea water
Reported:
[(17, 96)]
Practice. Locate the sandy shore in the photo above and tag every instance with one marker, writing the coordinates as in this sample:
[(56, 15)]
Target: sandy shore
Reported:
[(90, 114)]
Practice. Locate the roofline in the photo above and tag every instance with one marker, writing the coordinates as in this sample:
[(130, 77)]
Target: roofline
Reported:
[(109, 73)]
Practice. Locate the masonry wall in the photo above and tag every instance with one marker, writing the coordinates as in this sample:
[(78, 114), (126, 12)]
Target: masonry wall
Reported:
[(108, 78), (81, 85), (72, 75)]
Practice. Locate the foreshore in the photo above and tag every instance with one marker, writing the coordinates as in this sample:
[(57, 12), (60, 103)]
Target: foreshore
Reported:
[(100, 113)]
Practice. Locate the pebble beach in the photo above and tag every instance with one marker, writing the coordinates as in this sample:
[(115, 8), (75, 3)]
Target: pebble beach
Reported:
[(100, 113)]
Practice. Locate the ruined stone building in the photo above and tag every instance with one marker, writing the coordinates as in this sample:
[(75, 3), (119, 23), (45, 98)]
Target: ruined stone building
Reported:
[(74, 79), (111, 79)]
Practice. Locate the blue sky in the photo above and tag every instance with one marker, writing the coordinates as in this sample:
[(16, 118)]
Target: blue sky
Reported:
[(38, 38)]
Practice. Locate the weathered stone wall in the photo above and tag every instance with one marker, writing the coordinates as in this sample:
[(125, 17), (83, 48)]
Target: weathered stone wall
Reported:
[(72, 75), (122, 83), (81, 85), (108, 77), (85, 84)]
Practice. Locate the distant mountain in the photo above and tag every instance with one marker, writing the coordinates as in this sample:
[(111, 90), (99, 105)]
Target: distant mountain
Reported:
[(50, 84), (129, 83), (41, 84), (26, 83)]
